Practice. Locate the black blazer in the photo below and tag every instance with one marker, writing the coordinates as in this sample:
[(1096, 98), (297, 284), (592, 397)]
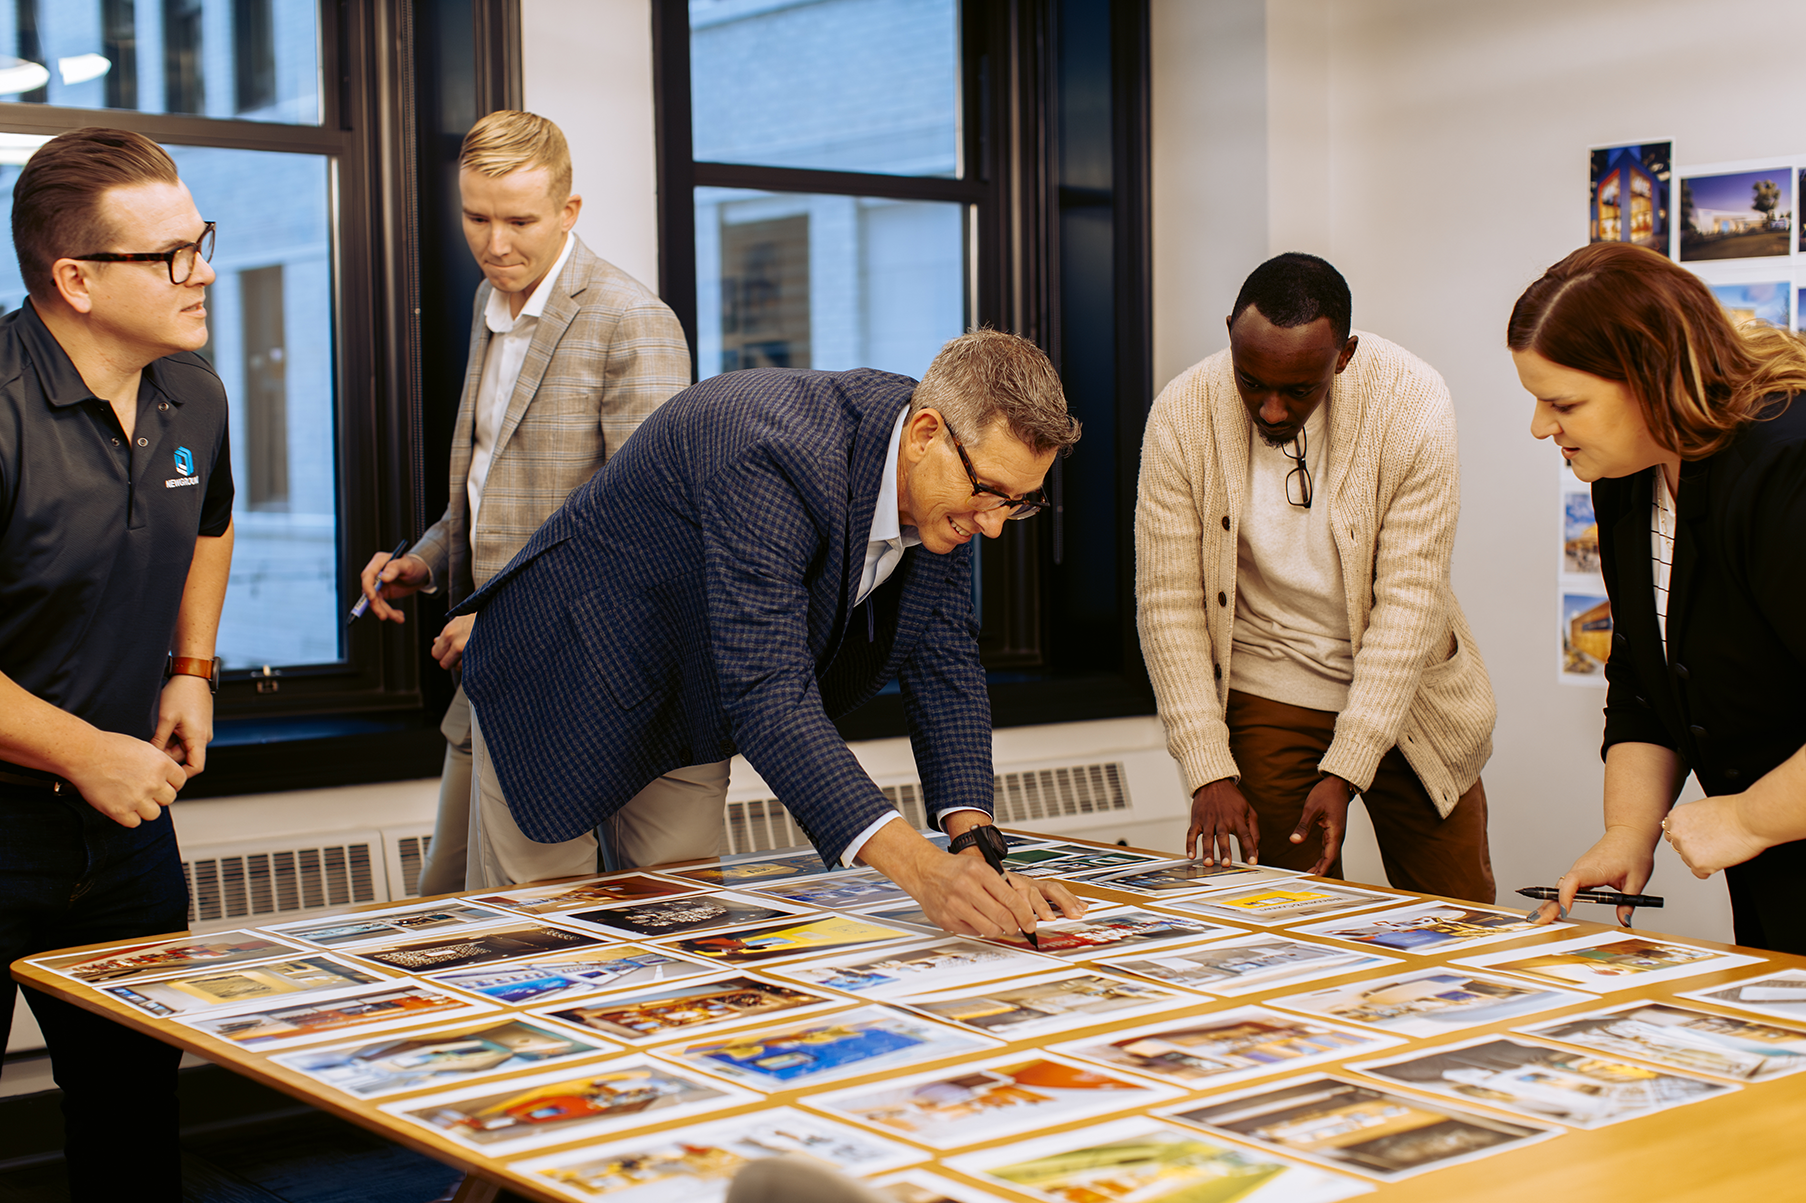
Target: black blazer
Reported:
[(1730, 696)]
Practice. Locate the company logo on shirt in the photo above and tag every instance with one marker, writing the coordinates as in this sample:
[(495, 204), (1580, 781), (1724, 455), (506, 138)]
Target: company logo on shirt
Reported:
[(184, 465)]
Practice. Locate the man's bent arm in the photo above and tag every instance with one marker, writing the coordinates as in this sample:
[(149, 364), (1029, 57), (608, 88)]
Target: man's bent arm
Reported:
[(185, 708)]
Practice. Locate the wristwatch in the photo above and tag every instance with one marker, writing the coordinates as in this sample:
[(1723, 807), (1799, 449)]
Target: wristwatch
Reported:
[(987, 839), (194, 666)]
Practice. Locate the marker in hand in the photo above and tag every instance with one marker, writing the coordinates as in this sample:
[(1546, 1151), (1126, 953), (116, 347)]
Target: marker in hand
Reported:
[(1609, 897), (363, 603), (994, 848)]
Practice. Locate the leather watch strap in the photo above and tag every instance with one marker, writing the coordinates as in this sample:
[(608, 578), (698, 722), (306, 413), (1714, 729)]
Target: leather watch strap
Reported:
[(194, 666)]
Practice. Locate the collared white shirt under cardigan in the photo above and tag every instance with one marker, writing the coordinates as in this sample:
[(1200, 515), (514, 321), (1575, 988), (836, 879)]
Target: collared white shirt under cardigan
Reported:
[(1393, 490)]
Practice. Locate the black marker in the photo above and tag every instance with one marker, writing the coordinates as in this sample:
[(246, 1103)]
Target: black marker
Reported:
[(992, 845), (1612, 897), (363, 603)]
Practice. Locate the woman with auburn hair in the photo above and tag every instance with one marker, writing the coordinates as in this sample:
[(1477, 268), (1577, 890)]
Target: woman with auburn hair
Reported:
[(1688, 429)]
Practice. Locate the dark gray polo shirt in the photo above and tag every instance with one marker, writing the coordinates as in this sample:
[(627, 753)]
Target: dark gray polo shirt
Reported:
[(96, 530)]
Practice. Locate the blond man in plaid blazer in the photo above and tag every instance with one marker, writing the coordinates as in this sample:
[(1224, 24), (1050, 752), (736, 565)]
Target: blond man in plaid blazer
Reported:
[(568, 355)]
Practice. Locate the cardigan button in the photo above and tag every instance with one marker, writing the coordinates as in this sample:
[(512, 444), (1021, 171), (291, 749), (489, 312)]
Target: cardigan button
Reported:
[(1222, 599), (1680, 671), (1219, 670), (1225, 521)]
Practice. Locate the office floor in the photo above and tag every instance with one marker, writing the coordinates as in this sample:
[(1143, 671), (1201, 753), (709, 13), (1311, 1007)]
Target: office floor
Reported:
[(241, 1142)]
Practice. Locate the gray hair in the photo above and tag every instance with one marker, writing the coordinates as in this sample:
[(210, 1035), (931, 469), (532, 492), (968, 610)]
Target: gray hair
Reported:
[(984, 376)]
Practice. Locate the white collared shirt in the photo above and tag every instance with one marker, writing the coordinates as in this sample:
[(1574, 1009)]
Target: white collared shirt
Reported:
[(509, 338), (884, 549)]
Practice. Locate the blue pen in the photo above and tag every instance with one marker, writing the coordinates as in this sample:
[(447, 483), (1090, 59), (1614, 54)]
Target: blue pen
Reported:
[(363, 603)]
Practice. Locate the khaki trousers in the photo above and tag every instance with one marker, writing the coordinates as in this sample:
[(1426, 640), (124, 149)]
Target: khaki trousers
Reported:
[(446, 860), (677, 817), (1278, 746)]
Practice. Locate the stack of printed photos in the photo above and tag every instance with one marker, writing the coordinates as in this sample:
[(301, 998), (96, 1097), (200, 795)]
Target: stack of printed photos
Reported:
[(1202, 1032)]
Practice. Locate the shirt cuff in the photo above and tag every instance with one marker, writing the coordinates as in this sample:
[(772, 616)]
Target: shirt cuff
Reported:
[(851, 852), (940, 816)]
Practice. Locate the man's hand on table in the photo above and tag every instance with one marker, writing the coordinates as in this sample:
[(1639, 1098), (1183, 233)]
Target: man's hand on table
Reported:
[(961, 893), (1218, 811), (1326, 806)]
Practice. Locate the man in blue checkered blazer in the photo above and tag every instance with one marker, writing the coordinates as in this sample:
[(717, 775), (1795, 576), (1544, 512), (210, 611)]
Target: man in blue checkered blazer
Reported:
[(766, 553)]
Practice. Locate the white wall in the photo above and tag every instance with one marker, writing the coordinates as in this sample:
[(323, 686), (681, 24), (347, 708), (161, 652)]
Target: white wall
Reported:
[(587, 64), (1436, 153)]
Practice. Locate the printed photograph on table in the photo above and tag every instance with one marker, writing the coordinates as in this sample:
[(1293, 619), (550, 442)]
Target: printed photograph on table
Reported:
[(1628, 194), (1352, 1127), (344, 930), (1145, 1160), (1737, 215), (1272, 905), (1089, 865), (574, 1103), (1018, 1009), (577, 974), (1430, 1002), (1579, 530), (165, 958), (443, 1056), (912, 916), (677, 916), (1189, 877), (364, 1008), (901, 970), (478, 946), (843, 1045), (1727, 1046), (190, 992), (1583, 1090), (1585, 619), (1766, 302), (988, 1100), (1781, 994), (1248, 964), (1431, 927), (1607, 961), (576, 895), (779, 941), (640, 1017), (925, 1186), (747, 874), (865, 888), (696, 1164), (1209, 1050), (1112, 928)]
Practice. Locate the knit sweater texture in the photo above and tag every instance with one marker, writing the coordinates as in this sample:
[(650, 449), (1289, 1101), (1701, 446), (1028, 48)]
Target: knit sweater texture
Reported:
[(1393, 489)]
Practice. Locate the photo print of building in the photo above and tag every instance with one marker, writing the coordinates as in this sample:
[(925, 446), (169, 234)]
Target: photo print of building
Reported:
[(1740, 215), (1628, 194), (1764, 302)]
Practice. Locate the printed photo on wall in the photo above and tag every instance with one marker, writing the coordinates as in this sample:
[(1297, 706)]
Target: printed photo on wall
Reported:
[(562, 975), (1609, 961), (1579, 531), (697, 1163), (1581, 1089), (1248, 964), (1143, 1160), (443, 1056), (970, 1104), (1628, 194), (1765, 302), (1727, 1046), (1586, 637), (1738, 215), (1354, 1127), (1799, 308), (502, 1118)]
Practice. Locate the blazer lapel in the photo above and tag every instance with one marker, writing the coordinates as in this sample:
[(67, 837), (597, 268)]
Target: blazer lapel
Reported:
[(1633, 611), (1694, 504), (464, 427), (561, 309), (871, 448)]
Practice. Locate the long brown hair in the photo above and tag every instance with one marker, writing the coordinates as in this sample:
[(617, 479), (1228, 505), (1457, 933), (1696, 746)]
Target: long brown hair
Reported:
[(1625, 313)]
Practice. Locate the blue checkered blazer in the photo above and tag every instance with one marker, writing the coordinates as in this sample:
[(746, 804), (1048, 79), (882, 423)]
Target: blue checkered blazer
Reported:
[(695, 598)]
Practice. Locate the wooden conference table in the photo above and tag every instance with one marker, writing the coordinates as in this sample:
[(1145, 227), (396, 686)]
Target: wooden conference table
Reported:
[(1742, 1145)]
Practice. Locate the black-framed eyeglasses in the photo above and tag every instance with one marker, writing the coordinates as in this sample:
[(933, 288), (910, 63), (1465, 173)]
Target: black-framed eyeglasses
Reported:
[(180, 261), (1025, 506), (1298, 480)]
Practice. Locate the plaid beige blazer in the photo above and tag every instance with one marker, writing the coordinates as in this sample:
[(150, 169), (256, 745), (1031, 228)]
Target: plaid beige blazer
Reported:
[(607, 352)]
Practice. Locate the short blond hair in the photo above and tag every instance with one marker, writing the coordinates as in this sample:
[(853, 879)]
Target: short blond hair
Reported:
[(509, 140), (986, 376)]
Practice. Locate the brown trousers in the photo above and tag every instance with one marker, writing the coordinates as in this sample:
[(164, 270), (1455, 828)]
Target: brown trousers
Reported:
[(1278, 746)]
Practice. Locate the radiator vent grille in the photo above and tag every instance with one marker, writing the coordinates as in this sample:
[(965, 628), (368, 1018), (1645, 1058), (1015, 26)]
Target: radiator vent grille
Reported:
[(410, 854), (1021, 797), (292, 880)]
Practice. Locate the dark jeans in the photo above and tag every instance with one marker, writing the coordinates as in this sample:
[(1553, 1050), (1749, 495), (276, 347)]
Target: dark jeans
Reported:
[(69, 875)]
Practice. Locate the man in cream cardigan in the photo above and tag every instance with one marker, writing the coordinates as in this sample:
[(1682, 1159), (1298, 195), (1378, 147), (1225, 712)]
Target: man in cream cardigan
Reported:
[(1293, 533)]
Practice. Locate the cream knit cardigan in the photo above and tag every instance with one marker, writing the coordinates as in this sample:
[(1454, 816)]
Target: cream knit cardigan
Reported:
[(1393, 491)]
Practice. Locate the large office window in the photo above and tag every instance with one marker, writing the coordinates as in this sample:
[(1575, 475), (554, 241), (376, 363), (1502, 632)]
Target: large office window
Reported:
[(850, 183)]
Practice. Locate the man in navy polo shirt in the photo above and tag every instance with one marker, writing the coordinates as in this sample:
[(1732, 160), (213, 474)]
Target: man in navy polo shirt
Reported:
[(115, 540)]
